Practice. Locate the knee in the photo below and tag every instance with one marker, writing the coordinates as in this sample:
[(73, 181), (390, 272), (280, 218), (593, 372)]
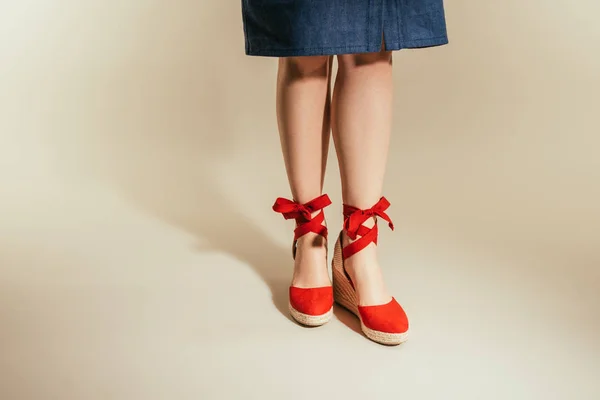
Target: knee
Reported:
[(309, 66), (352, 62)]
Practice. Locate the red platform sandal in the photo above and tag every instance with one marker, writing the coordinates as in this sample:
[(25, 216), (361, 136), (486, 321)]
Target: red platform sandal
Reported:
[(386, 323), (308, 306)]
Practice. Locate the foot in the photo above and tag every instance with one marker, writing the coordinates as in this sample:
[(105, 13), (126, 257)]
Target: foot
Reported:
[(310, 264), (365, 273)]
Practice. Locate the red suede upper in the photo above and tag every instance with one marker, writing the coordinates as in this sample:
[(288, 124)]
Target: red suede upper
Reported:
[(313, 301), (388, 318)]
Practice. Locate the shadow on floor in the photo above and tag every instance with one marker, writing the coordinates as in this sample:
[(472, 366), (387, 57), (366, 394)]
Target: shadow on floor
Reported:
[(347, 318)]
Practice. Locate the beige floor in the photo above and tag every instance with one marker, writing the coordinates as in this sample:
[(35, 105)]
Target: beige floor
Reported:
[(140, 260)]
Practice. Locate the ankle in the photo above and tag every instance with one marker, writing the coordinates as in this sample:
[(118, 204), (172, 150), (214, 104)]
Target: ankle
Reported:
[(311, 240)]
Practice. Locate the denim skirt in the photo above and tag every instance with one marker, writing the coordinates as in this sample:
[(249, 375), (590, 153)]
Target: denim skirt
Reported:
[(282, 28)]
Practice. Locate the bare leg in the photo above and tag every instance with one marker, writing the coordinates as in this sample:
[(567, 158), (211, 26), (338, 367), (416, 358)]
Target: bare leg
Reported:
[(303, 105), (361, 120)]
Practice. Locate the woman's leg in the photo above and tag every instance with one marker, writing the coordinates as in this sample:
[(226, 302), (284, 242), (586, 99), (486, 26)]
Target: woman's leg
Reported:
[(361, 121), (303, 105)]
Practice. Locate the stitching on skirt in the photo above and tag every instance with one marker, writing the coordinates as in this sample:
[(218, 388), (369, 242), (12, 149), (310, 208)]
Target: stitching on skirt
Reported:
[(402, 43)]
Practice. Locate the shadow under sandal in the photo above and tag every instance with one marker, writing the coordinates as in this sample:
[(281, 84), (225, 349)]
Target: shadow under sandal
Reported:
[(386, 323), (308, 306)]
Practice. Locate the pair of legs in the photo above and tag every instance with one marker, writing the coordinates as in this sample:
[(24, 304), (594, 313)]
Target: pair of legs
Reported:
[(359, 114)]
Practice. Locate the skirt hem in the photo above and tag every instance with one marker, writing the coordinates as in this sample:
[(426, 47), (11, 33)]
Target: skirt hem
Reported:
[(328, 51)]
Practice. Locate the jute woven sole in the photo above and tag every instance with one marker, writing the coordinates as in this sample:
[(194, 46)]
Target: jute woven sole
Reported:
[(345, 296), (310, 320)]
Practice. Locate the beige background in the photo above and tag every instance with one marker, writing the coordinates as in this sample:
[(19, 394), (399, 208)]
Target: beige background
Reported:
[(139, 257)]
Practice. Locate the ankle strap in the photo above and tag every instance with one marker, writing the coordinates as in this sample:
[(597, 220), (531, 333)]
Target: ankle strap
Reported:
[(302, 213), (353, 225)]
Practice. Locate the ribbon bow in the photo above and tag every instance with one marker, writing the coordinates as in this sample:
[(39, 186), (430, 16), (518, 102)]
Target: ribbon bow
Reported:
[(300, 212), (355, 217)]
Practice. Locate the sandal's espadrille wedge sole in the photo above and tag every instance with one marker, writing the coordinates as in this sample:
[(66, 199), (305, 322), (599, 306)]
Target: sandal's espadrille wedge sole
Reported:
[(310, 320)]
